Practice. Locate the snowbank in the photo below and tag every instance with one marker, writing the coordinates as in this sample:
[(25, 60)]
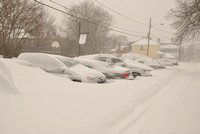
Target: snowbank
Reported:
[(6, 80), (46, 104)]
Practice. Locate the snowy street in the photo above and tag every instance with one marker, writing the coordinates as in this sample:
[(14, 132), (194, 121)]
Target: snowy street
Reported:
[(177, 108), (99, 67), (34, 102)]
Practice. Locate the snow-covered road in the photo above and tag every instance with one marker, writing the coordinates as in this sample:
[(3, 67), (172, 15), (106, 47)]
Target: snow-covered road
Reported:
[(176, 110), (34, 102)]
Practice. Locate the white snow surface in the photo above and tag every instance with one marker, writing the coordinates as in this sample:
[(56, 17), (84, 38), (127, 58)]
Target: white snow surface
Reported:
[(35, 102)]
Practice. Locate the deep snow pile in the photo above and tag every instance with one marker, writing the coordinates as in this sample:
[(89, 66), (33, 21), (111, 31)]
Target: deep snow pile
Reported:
[(35, 102)]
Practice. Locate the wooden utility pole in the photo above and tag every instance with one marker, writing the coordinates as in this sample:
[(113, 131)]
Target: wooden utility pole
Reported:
[(79, 34), (149, 37)]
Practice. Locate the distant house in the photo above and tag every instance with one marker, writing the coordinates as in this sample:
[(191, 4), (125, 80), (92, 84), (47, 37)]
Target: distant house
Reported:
[(140, 47), (170, 49)]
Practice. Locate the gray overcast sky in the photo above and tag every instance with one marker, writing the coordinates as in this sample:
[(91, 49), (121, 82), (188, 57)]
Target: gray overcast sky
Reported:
[(139, 10)]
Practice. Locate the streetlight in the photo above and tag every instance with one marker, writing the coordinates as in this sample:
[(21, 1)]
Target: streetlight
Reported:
[(150, 33)]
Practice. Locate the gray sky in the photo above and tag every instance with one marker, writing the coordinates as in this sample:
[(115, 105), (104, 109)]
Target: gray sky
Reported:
[(139, 10)]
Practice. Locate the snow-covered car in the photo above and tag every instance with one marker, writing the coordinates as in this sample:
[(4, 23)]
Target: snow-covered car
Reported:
[(151, 62), (134, 56), (164, 62), (110, 71), (174, 61), (139, 68), (51, 65), (87, 74), (113, 60), (143, 59)]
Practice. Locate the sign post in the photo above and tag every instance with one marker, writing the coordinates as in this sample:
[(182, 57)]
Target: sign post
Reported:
[(82, 39)]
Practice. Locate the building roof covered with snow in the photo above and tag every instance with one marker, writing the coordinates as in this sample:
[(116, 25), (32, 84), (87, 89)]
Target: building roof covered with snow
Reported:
[(144, 42)]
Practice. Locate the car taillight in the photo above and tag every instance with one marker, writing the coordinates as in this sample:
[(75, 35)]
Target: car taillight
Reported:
[(125, 75)]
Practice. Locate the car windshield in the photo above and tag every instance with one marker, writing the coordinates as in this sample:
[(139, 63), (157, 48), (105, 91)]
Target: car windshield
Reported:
[(69, 62), (115, 60), (104, 59)]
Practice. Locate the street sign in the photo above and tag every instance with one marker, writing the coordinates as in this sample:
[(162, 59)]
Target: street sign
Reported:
[(82, 39)]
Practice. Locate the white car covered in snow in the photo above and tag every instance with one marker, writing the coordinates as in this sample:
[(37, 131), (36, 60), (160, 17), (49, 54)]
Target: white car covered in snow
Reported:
[(164, 62), (113, 60), (110, 71), (151, 62), (144, 60), (139, 68), (87, 74), (51, 65), (63, 66)]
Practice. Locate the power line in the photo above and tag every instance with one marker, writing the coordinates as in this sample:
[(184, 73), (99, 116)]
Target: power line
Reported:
[(156, 38), (86, 19), (162, 34), (128, 30), (163, 30), (120, 14), (63, 6), (90, 17)]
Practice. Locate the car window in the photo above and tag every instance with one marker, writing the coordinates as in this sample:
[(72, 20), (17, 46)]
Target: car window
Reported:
[(43, 61), (141, 62), (115, 60), (68, 62), (104, 59)]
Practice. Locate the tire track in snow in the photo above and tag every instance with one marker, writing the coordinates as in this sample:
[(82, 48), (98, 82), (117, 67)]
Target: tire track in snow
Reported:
[(137, 105)]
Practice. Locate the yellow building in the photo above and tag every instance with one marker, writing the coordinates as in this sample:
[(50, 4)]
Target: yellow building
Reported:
[(140, 47)]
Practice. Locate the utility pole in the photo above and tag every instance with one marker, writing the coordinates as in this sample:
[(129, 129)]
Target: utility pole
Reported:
[(79, 34), (149, 37)]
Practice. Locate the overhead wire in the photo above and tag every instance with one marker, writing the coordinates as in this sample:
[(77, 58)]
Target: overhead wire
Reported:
[(120, 13), (162, 34), (56, 3), (86, 19), (163, 30), (156, 38), (131, 19)]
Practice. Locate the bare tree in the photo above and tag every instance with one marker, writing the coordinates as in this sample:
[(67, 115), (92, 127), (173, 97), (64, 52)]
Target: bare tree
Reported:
[(19, 19), (97, 35), (186, 18), (118, 40)]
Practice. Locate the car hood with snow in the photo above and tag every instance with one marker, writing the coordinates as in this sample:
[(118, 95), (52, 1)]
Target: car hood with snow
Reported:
[(87, 74)]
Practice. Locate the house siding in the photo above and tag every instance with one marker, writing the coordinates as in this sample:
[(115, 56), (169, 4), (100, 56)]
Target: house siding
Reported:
[(142, 49)]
